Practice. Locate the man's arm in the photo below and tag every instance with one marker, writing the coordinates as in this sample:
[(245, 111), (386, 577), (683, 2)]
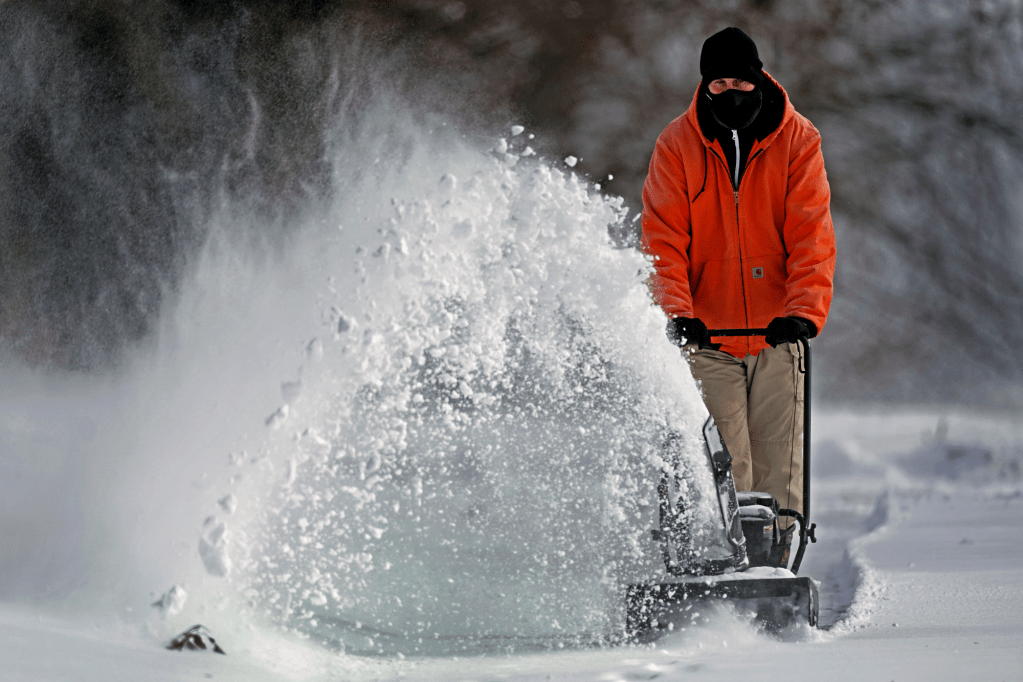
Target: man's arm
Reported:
[(666, 230), (809, 236)]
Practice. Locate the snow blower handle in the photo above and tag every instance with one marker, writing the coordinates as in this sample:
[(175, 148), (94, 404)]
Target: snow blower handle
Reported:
[(806, 529), (737, 332)]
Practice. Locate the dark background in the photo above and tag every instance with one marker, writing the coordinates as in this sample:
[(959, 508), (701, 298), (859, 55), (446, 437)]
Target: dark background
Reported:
[(124, 126)]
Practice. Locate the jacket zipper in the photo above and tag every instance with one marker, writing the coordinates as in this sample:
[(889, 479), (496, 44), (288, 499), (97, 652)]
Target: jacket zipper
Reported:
[(735, 182), (738, 231), (742, 265)]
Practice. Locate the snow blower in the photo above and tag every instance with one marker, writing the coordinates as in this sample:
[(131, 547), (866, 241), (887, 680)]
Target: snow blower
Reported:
[(743, 561)]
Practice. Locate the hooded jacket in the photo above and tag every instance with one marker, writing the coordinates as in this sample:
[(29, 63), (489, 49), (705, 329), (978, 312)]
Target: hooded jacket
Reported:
[(739, 257)]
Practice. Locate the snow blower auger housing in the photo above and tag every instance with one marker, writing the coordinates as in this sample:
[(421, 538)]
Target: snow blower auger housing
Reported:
[(753, 576)]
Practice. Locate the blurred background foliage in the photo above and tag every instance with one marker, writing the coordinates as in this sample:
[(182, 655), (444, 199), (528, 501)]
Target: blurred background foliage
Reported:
[(127, 126)]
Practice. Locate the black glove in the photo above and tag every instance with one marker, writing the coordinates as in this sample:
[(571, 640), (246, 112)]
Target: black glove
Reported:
[(683, 330), (787, 330)]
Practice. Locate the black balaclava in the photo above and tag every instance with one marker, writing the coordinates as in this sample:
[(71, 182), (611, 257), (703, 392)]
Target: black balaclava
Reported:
[(733, 54)]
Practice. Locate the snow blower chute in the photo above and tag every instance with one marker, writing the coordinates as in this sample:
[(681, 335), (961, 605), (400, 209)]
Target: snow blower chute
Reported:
[(747, 568)]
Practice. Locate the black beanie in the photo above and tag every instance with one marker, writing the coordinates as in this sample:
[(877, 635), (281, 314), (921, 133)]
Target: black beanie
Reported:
[(731, 54)]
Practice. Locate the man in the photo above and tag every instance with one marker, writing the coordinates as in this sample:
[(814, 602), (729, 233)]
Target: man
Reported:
[(736, 217)]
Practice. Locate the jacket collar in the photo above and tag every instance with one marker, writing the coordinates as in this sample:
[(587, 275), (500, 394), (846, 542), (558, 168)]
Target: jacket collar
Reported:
[(788, 111)]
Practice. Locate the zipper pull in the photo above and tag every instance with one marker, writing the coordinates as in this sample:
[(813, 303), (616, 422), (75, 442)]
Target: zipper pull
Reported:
[(736, 194)]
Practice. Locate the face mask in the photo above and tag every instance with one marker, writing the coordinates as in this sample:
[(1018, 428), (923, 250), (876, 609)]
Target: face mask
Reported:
[(735, 109)]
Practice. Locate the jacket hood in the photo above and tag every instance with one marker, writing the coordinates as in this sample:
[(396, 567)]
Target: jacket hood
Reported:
[(788, 111)]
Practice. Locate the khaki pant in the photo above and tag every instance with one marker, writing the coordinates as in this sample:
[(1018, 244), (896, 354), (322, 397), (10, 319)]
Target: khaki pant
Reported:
[(757, 404)]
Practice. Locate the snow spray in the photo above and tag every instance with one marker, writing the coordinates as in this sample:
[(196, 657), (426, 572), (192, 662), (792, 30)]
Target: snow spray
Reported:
[(431, 421), (467, 449)]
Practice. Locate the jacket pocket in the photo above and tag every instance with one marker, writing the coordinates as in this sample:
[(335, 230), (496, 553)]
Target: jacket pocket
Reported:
[(717, 294), (765, 281)]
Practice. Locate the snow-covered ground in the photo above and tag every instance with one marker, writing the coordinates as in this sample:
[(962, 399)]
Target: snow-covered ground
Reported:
[(421, 441), (926, 570)]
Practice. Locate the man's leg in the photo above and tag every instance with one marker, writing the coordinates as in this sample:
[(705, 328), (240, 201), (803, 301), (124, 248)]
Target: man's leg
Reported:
[(776, 425), (723, 379)]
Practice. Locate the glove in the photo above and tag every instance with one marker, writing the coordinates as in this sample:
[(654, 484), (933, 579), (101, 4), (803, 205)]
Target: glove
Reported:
[(787, 330), (683, 330)]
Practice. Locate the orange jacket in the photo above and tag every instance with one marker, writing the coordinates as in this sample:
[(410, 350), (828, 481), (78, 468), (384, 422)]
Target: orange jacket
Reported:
[(740, 259)]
